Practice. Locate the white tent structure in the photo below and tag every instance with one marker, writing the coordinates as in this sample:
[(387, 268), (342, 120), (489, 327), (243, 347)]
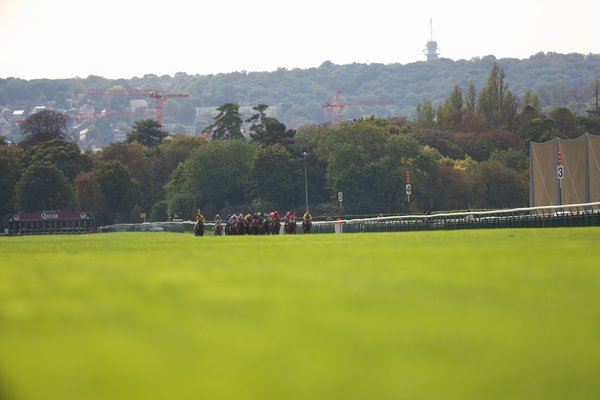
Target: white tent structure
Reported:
[(565, 171)]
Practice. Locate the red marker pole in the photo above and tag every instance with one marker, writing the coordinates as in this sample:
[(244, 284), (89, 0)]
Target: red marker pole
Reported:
[(560, 173), (408, 186)]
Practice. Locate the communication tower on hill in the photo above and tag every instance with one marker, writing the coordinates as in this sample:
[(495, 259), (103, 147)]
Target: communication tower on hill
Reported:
[(431, 46)]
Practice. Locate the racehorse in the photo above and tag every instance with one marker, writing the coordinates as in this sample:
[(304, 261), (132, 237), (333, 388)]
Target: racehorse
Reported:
[(307, 225), (275, 226), (254, 227), (218, 229), (199, 228), (238, 227), (290, 226), (265, 227)]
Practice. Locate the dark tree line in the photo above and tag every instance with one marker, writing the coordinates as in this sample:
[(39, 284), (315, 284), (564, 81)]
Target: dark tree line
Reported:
[(471, 151)]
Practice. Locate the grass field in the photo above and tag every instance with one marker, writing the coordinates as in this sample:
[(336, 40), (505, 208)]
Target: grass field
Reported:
[(486, 314)]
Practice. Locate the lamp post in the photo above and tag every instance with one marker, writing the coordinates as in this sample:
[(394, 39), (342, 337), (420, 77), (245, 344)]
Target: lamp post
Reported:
[(305, 154)]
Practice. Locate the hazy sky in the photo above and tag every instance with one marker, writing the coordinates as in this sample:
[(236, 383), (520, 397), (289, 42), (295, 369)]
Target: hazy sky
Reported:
[(126, 38)]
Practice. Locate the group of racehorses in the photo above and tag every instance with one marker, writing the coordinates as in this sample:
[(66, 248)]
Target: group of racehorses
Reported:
[(254, 226)]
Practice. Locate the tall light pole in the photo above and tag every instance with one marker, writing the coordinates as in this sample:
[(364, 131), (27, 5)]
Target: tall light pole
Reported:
[(305, 154)]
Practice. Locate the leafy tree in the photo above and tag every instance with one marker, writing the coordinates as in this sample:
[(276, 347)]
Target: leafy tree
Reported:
[(306, 141), (173, 152), (481, 145), (256, 120), (442, 141), (471, 102), (509, 111), (514, 159), (590, 123), (227, 123), (118, 189), (539, 130), (400, 153), (353, 153), (141, 167), (453, 190), (531, 111), (497, 186), (65, 155), (267, 131), (530, 99), (212, 177), (43, 187), (159, 211), (564, 122), (276, 133), (497, 105), (424, 175), (450, 115), (426, 117), (135, 216), (10, 173), (44, 126), (88, 194), (147, 132), (275, 177)]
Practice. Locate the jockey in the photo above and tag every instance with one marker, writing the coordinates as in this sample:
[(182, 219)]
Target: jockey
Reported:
[(307, 216), (217, 219), (276, 216), (200, 216)]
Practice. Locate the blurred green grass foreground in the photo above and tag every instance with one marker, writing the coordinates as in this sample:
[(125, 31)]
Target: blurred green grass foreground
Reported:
[(482, 314)]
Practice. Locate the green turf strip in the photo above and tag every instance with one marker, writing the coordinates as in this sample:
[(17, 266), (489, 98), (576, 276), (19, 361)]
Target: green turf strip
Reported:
[(482, 314)]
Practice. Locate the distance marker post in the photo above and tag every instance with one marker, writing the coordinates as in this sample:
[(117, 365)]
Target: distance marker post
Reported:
[(560, 174), (408, 186)]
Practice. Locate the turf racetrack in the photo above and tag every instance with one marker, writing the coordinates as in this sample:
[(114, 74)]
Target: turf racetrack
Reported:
[(483, 314)]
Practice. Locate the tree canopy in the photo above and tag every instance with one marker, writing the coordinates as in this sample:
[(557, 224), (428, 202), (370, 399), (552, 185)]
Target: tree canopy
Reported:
[(213, 177), (227, 123), (44, 187), (44, 126), (66, 156), (148, 132)]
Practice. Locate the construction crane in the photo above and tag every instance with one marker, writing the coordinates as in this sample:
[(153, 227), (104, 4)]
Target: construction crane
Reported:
[(104, 114), (160, 97), (337, 107)]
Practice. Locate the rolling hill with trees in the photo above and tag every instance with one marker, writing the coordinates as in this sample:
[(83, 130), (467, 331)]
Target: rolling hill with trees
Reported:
[(296, 96)]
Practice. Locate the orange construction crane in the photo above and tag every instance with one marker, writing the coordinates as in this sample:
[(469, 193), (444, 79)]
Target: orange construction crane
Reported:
[(82, 116), (337, 108), (160, 97)]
